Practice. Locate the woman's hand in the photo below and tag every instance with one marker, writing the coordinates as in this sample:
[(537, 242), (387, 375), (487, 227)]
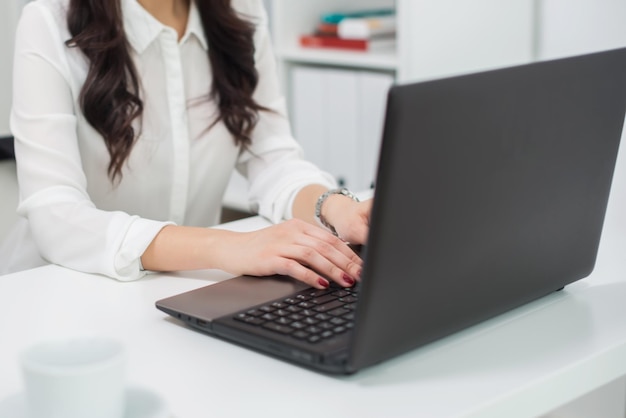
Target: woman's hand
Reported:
[(297, 249), (350, 219)]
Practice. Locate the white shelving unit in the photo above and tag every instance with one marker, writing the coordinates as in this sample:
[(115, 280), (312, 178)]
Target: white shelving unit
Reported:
[(435, 38)]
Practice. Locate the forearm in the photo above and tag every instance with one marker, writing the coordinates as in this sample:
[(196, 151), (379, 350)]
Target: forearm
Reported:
[(304, 203), (186, 248)]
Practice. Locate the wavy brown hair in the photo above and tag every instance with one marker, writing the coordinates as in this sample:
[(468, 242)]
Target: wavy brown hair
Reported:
[(110, 98)]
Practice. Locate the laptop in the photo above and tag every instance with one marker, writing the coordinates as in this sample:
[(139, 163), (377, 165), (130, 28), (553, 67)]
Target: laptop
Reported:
[(491, 192)]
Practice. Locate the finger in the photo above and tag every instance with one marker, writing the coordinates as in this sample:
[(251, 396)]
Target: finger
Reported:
[(321, 263), (337, 243), (337, 251), (327, 254), (291, 267)]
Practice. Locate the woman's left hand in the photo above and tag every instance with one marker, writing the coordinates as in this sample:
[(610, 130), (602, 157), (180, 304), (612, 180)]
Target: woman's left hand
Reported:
[(350, 219)]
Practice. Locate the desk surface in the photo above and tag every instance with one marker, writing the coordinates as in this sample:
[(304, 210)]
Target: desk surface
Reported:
[(521, 364)]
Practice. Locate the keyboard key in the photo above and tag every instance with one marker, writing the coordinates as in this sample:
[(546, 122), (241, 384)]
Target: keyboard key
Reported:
[(296, 317), (255, 312), (300, 334), (327, 334), (339, 312), (320, 292), (341, 293), (279, 305), (269, 317), (283, 329), (324, 299), (337, 321), (313, 330), (328, 306), (314, 339), (283, 321), (348, 299), (323, 317), (249, 319), (298, 325)]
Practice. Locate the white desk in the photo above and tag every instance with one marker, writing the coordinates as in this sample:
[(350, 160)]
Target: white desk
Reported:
[(521, 364)]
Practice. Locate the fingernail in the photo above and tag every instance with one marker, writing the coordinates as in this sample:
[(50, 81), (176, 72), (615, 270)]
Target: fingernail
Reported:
[(323, 282), (348, 279), (358, 274)]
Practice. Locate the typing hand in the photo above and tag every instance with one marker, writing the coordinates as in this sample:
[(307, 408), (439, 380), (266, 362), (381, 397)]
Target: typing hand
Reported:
[(294, 248)]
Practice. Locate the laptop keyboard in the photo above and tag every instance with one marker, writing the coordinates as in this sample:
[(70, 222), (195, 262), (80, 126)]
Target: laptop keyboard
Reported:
[(310, 315)]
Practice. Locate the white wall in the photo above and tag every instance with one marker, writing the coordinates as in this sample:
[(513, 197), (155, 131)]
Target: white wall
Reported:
[(450, 37), (570, 27), (9, 13)]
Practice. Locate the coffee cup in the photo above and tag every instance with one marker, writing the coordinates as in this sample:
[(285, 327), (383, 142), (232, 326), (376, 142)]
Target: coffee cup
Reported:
[(75, 378)]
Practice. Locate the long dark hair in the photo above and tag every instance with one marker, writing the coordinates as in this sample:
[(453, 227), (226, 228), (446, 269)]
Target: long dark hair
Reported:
[(110, 98)]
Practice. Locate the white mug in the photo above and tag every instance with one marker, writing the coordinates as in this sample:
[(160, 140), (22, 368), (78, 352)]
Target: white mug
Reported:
[(75, 378)]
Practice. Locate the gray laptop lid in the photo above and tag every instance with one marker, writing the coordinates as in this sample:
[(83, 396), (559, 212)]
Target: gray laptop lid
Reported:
[(491, 192)]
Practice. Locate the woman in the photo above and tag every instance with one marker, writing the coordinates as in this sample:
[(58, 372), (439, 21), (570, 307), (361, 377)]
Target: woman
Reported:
[(129, 117)]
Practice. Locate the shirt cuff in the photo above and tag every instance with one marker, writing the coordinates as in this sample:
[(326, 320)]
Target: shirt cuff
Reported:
[(138, 237)]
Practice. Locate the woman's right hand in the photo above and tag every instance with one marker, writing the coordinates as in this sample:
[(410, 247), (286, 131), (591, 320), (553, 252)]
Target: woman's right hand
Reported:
[(294, 248)]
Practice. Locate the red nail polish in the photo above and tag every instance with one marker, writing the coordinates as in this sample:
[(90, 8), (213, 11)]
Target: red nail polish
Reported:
[(348, 279), (324, 283)]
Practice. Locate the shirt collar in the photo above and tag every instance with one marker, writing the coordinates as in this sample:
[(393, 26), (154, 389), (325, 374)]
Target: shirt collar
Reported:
[(142, 28), (195, 27)]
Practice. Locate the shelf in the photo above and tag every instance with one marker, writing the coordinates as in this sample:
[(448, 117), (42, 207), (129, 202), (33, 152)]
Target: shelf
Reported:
[(379, 60)]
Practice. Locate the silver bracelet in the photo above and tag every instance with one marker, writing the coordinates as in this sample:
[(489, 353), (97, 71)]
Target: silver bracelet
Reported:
[(322, 199)]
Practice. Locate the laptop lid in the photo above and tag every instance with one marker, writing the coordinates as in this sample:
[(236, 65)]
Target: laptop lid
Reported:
[(491, 192)]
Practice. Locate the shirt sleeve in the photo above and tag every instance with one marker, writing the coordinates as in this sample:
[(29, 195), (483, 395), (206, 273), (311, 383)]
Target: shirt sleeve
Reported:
[(67, 227), (274, 164)]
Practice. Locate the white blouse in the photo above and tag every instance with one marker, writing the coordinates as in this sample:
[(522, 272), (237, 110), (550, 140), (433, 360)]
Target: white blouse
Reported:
[(178, 169)]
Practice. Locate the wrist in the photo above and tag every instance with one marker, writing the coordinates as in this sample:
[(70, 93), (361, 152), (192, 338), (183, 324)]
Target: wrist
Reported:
[(331, 204)]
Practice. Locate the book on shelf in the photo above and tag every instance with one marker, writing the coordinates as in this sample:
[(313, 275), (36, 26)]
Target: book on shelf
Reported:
[(325, 41), (328, 29), (335, 18), (366, 27), (363, 30)]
